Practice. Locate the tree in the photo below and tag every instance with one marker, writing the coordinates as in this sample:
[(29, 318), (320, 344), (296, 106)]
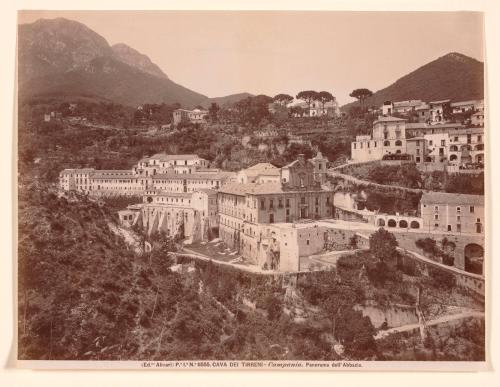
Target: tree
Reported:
[(323, 97), (297, 110), (213, 110), (361, 95), (283, 99), (308, 96), (341, 299), (383, 244)]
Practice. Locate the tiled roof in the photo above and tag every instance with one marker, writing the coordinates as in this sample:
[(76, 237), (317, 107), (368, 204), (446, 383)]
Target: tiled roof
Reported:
[(451, 199), (262, 166)]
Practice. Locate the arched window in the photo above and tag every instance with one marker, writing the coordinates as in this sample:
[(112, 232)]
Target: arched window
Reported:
[(414, 224), (398, 143), (381, 222), (387, 143), (453, 148), (391, 223), (453, 157), (403, 224)]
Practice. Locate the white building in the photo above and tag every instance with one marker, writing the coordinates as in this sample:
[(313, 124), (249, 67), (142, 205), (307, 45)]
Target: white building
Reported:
[(388, 137), (196, 116)]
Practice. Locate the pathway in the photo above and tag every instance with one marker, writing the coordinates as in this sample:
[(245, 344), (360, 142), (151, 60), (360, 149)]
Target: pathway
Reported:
[(437, 321)]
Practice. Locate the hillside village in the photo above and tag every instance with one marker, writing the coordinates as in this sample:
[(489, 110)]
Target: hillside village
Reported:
[(242, 227), (308, 216)]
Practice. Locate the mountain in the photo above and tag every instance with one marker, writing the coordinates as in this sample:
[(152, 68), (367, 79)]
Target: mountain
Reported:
[(453, 76), (225, 101), (63, 58), (135, 59)]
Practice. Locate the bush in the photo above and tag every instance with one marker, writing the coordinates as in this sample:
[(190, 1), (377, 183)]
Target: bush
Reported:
[(442, 279)]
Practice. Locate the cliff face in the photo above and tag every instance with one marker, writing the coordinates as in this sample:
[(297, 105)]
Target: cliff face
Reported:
[(134, 58), (61, 57)]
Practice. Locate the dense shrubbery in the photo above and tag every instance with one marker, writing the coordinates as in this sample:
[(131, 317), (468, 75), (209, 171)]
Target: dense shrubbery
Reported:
[(408, 175)]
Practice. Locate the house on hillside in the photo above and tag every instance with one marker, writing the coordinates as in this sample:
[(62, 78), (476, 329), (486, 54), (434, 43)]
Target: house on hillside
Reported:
[(196, 116)]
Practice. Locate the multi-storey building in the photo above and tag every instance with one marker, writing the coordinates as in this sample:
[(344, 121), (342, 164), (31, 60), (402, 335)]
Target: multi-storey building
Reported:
[(418, 129), (245, 208), (477, 119), (161, 163), (457, 213), (401, 107), (190, 182), (117, 183), (467, 106), (177, 173), (196, 116), (438, 111), (441, 143), (76, 179), (192, 215), (388, 137)]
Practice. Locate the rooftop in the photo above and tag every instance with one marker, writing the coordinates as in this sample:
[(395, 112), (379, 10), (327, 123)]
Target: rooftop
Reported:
[(251, 188), (258, 189), (198, 175), (451, 198), (165, 157), (464, 103), (413, 102), (424, 125), (262, 166), (440, 102)]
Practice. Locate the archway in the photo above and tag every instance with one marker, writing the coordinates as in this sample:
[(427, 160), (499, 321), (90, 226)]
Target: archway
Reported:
[(474, 257), (453, 148), (391, 223), (414, 224), (453, 157), (381, 222), (403, 223)]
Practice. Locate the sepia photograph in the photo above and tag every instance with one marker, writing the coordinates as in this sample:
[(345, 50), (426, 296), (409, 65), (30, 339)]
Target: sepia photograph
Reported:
[(271, 190)]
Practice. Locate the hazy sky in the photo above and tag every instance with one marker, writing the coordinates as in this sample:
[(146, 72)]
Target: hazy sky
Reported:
[(221, 53)]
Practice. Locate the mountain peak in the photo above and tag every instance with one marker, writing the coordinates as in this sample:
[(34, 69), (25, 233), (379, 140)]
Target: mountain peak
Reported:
[(453, 76), (458, 57), (134, 58)]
